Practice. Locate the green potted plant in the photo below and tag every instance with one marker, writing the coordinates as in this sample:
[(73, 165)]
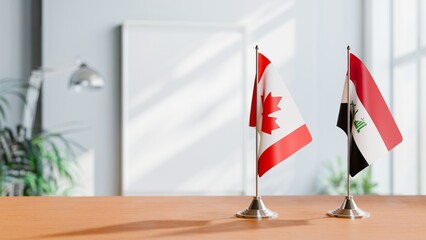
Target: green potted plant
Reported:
[(41, 164)]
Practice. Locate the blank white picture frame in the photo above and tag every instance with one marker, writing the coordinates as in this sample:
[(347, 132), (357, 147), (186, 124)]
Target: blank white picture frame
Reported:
[(184, 110)]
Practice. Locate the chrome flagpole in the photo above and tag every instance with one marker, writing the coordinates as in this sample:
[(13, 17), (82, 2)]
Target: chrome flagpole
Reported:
[(257, 122), (348, 208), (257, 208)]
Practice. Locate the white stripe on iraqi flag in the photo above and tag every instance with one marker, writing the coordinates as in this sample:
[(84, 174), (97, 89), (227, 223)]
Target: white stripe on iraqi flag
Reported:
[(281, 128), (374, 131), (364, 131)]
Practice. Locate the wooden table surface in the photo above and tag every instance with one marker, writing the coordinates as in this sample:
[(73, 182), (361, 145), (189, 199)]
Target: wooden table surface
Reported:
[(300, 217)]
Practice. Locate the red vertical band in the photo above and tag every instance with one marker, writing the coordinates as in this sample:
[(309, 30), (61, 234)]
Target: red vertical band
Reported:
[(263, 62)]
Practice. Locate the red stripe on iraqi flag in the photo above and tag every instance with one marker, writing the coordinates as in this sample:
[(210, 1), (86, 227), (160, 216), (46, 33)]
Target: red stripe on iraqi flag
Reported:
[(282, 130), (263, 62), (284, 148), (373, 102)]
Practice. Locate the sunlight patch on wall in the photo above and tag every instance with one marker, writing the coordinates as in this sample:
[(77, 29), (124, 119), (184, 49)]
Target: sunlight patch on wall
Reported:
[(266, 12), (214, 45)]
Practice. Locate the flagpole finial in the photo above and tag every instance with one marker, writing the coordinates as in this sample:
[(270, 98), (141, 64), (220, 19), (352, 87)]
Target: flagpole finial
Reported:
[(257, 47), (348, 48)]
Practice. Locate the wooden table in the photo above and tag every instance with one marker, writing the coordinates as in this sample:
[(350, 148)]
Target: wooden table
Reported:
[(301, 217)]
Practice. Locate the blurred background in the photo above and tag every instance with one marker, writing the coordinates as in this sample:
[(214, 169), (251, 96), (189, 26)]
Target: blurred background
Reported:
[(172, 116)]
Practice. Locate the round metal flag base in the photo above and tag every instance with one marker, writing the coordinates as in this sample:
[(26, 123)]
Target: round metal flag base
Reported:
[(348, 209), (257, 210)]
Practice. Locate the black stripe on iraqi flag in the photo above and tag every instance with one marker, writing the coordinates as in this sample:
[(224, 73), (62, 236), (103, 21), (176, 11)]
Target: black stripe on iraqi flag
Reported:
[(358, 162), (342, 120)]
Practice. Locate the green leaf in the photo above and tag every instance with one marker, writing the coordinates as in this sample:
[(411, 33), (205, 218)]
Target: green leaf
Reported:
[(30, 181), (4, 101), (48, 162), (2, 113)]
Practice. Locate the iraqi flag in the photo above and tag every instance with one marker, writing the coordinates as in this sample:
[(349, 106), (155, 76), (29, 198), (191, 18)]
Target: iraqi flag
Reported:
[(374, 131), (280, 126)]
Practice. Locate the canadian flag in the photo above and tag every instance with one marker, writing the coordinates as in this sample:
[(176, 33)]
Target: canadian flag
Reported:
[(281, 128), (374, 131)]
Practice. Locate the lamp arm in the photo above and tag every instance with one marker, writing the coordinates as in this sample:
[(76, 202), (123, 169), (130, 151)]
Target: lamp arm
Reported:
[(33, 92), (31, 99), (47, 71)]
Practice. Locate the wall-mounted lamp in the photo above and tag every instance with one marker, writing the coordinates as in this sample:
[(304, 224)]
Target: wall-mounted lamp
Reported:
[(82, 77), (86, 77)]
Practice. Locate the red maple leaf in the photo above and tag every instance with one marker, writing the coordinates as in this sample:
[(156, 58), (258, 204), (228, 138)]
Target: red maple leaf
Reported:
[(270, 105)]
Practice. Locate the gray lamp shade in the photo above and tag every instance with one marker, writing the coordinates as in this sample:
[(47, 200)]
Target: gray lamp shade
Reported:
[(86, 77)]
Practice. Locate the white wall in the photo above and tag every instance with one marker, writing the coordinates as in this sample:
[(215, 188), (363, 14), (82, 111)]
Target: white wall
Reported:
[(399, 77), (305, 39), (15, 47)]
